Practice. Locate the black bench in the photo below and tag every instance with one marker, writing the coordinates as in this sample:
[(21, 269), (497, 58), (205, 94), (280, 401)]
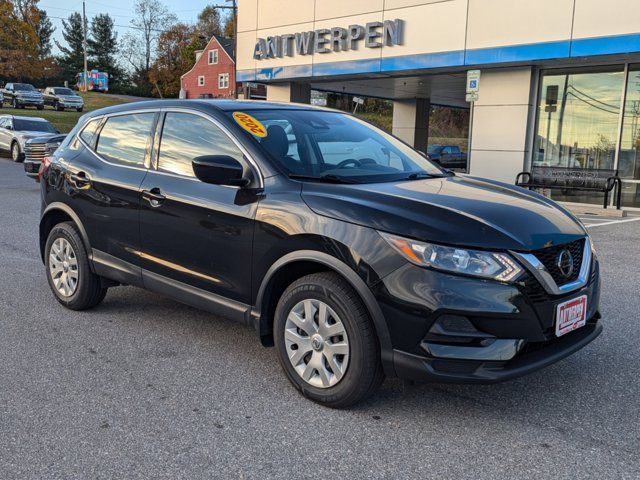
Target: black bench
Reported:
[(592, 179)]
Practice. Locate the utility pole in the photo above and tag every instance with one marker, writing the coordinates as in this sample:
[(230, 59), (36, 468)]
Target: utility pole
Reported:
[(84, 43)]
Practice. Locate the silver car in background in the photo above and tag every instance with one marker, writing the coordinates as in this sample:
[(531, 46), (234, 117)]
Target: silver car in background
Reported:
[(15, 131)]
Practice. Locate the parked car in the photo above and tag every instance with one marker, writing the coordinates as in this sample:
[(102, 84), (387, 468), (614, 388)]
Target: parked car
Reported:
[(15, 131), (20, 95), (356, 266), (448, 156), (36, 149), (61, 98), (1, 99)]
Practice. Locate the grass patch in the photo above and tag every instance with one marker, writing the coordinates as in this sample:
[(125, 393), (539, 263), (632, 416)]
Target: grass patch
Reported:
[(65, 121)]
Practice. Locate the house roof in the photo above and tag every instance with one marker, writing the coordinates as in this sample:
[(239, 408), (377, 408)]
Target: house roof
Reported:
[(227, 44)]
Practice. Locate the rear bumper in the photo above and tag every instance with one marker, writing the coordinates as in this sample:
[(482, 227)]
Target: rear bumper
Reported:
[(424, 369)]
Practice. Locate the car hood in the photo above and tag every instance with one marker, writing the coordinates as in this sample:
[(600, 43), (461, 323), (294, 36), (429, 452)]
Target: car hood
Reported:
[(31, 135), (456, 210), (46, 138)]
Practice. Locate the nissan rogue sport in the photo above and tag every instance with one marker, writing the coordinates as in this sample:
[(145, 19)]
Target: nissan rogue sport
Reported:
[(339, 244)]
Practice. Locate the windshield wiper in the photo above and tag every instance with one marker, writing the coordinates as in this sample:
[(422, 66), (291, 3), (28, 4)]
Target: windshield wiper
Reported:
[(418, 175), (328, 178)]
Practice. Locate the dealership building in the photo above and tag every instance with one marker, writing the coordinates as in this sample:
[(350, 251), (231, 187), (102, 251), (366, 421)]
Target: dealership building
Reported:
[(559, 79)]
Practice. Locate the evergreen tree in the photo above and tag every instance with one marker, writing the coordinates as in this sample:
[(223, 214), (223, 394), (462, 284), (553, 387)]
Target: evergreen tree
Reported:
[(103, 47), (44, 30), (72, 59)]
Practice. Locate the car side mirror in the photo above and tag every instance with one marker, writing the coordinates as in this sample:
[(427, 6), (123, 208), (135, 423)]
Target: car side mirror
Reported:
[(219, 170)]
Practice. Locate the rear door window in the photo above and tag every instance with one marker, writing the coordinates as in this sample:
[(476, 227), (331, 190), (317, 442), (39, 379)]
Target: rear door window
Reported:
[(124, 139)]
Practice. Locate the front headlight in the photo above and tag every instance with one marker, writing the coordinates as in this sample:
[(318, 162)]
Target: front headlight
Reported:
[(495, 266)]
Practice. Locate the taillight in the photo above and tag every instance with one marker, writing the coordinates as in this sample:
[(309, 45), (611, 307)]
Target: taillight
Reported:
[(44, 166)]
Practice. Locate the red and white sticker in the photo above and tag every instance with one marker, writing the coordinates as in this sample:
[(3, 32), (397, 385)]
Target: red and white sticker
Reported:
[(571, 315)]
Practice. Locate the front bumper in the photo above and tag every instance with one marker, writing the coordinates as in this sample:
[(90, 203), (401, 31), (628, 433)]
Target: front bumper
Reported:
[(30, 101), (511, 327)]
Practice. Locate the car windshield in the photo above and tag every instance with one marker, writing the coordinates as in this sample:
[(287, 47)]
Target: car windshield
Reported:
[(24, 87), (22, 125), (63, 91), (323, 145)]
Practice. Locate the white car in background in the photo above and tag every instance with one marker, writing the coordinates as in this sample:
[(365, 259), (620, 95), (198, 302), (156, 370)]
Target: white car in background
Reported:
[(15, 131)]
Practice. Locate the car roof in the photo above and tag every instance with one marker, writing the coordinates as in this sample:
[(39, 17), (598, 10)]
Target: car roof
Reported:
[(16, 117), (213, 104)]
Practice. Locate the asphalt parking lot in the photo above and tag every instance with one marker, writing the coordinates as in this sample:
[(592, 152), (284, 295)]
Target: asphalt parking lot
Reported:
[(144, 387)]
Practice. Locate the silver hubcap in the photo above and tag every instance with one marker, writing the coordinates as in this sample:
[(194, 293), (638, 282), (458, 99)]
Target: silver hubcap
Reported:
[(63, 267), (317, 343), (15, 152)]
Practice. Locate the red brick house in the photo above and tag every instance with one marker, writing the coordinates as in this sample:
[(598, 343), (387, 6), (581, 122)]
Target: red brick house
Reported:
[(214, 73)]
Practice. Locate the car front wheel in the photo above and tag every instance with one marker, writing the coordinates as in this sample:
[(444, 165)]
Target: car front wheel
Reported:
[(16, 153), (326, 342), (71, 280)]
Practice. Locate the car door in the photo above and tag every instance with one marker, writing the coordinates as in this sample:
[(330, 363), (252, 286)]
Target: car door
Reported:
[(105, 179), (195, 233), (48, 92), (8, 93), (4, 134)]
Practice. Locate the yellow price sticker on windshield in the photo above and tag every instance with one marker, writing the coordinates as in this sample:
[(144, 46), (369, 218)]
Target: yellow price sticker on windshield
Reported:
[(250, 124)]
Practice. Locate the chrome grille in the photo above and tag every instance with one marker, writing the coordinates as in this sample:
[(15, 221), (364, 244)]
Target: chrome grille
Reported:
[(35, 152)]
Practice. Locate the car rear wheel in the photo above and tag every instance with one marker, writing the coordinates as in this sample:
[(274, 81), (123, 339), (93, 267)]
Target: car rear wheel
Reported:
[(326, 341), (71, 280), (16, 153)]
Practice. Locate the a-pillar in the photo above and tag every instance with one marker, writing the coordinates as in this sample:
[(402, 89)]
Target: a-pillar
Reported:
[(411, 121), (289, 92)]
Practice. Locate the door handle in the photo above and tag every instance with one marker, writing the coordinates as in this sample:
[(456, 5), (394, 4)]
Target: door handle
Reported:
[(154, 197), (80, 179)]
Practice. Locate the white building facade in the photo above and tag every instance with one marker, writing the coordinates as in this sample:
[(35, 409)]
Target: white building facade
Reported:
[(559, 85)]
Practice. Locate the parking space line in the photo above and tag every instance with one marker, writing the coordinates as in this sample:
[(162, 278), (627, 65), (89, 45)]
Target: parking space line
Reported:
[(612, 222)]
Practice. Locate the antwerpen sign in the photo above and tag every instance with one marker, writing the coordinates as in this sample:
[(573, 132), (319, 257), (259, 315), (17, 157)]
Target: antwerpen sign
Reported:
[(337, 39)]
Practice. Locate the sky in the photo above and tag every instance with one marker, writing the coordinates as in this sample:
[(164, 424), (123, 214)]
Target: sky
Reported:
[(121, 11)]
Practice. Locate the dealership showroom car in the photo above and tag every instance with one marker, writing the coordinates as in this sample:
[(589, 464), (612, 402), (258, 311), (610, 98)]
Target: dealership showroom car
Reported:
[(349, 251)]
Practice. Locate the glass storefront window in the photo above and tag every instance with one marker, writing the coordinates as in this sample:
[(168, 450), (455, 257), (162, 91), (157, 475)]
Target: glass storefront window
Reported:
[(577, 124), (629, 159)]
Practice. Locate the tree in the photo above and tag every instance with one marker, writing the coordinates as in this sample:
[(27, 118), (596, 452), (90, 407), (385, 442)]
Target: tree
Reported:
[(44, 30), (230, 26), (72, 59), (175, 56), (152, 17), (102, 47), (19, 43), (209, 22)]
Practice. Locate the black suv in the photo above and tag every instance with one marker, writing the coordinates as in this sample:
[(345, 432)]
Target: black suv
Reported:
[(20, 95), (340, 245)]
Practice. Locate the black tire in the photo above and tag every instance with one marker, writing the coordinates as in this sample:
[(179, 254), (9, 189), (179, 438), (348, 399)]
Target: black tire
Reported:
[(364, 372), (40, 107), (58, 107), (79, 109), (16, 154), (89, 291)]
